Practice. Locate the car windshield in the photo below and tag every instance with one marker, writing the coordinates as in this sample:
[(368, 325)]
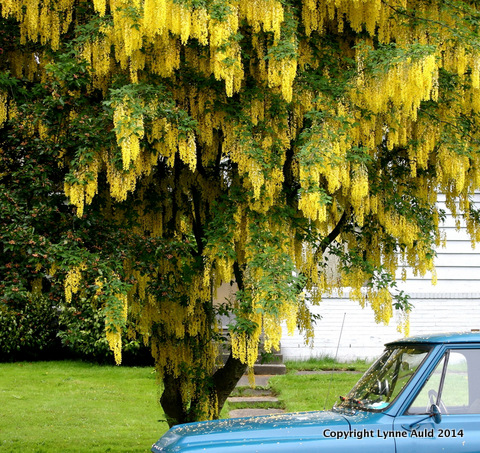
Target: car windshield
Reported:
[(385, 379)]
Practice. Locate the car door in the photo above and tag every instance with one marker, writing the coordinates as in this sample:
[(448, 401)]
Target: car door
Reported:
[(454, 388)]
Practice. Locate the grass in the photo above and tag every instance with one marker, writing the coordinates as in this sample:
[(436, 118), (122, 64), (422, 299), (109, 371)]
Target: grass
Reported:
[(56, 407), (259, 405), (312, 392), (68, 406), (326, 364), (318, 391)]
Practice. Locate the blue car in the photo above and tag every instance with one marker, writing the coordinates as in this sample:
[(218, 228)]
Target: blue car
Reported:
[(421, 395)]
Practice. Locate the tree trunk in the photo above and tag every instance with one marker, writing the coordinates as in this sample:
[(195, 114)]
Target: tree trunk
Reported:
[(226, 378), (171, 401), (224, 381)]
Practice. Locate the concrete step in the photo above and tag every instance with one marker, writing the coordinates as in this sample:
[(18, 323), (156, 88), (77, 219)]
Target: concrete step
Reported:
[(252, 399), (276, 367), (270, 368), (248, 391), (276, 357), (260, 381), (254, 402)]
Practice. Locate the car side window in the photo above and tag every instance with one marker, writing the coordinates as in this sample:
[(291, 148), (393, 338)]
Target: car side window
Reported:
[(452, 385)]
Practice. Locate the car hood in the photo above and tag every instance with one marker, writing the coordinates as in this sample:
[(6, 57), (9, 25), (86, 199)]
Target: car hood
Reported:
[(249, 433), (358, 419)]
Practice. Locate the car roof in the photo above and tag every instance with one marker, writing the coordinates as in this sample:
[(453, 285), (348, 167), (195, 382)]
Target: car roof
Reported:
[(438, 338)]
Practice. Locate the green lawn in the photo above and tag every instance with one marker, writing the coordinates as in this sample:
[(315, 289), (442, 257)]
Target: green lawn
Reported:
[(326, 364), (314, 391), (319, 390), (78, 407), (66, 407)]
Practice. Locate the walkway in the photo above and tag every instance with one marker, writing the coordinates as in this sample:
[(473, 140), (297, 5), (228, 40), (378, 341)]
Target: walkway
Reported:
[(252, 402)]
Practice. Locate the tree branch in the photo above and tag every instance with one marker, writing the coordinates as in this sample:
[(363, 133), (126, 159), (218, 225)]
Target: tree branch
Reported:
[(326, 241)]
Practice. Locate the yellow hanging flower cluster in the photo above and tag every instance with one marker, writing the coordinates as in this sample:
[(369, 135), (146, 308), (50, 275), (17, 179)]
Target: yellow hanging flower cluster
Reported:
[(3, 107), (265, 14), (237, 148), (129, 131), (304, 320), (281, 73), (359, 190), (272, 326), (72, 281), (381, 303), (40, 21), (403, 324), (313, 206), (245, 347), (82, 191), (452, 169), (404, 87), (113, 331), (399, 226), (97, 54), (187, 151)]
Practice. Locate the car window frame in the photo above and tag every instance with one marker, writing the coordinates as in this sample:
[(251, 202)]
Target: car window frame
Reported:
[(407, 388), (436, 357)]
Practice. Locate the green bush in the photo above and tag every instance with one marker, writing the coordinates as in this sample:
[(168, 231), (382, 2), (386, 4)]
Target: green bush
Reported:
[(82, 333), (29, 330), (37, 329)]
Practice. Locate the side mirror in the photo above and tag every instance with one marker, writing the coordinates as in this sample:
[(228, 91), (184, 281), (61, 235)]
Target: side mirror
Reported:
[(435, 413)]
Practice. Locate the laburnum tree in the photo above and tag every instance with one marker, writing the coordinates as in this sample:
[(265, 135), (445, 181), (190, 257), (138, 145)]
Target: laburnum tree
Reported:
[(152, 150)]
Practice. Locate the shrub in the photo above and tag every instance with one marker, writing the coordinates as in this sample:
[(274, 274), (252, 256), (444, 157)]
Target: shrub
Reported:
[(28, 330), (36, 329), (82, 333)]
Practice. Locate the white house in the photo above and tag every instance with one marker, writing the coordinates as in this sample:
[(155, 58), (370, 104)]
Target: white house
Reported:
[(453, 304)]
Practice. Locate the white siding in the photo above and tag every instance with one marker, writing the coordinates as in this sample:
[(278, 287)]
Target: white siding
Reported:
[(451, 305), (361, 337)]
